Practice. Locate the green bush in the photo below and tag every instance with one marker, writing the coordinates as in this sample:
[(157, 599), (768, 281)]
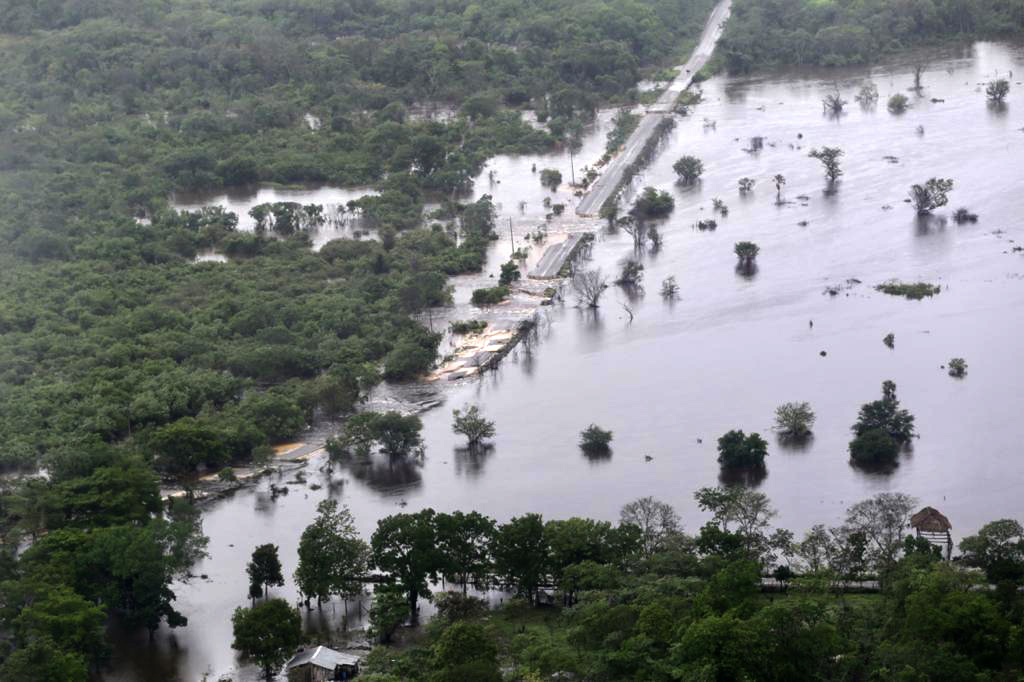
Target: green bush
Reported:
[(489, 296)]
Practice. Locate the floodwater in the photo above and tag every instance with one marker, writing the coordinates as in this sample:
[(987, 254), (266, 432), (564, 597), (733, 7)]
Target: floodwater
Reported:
[(731, 349), (341, 223)]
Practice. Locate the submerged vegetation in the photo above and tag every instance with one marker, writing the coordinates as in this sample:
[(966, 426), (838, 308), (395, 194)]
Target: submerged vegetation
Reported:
[(914, 291)]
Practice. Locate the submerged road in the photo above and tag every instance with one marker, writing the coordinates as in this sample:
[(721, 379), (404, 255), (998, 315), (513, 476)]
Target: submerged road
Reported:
[(608, 182)]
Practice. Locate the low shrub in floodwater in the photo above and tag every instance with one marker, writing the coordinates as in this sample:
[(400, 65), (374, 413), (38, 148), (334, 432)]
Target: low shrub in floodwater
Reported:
[(914, 291)]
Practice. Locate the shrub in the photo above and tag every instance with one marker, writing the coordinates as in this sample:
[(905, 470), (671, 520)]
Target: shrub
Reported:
[(490, 296), (471, 424), (746, 252), (509, 273), (595, 439), (467, 326), (898, 103), (997, 90), (931, 195), (653, 203), (914, 291), (958, 368)]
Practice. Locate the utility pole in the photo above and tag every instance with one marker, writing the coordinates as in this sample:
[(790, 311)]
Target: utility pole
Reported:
[(511, 236), (572, 171)]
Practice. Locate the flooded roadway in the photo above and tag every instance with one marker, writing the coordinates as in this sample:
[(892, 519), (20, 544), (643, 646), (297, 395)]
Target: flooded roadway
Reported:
[(731, 348)]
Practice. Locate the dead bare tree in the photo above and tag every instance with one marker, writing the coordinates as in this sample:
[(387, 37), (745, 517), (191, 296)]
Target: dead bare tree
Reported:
[(589, 285)]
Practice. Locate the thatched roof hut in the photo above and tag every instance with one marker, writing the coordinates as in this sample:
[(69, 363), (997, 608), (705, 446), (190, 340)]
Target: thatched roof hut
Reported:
[(930, 520)]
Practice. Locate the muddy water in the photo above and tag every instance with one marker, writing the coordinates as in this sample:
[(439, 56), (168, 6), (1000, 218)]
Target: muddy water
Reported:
[(341, 222), (732, 347)]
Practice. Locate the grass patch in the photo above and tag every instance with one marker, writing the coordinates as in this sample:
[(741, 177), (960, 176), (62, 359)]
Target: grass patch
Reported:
[(915, 291)]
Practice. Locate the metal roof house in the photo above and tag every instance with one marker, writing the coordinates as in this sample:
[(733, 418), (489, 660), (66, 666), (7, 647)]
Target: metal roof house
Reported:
[(321, 664)]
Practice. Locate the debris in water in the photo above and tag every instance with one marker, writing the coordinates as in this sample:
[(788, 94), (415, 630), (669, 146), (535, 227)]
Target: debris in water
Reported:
[(822, 353), (647, 458)]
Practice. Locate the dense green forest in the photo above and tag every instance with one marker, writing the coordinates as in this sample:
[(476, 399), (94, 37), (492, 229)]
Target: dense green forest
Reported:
[(834, 33), (108, 329), (643, 600)]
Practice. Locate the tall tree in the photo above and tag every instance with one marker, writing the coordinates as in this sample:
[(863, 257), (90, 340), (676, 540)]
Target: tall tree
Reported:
[(332, 558), (264, 568), (521, 554), (464, 541), (405, 547)]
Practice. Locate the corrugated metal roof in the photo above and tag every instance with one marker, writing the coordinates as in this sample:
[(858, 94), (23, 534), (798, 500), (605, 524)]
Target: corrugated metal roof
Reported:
[(322, 657)]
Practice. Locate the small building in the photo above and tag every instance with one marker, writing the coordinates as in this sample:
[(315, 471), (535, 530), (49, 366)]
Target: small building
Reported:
[(933, 526), (321, 664)]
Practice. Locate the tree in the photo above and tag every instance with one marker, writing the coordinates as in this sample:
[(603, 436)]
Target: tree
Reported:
[(780, 182), (794, 420), (997, 90), (464, 540), (829, 157), (264, 569), (657, 521), (405, 547), (631, 272), (958, 368), (521, 554), (689, 169), (998, 549), (746, 252), (594, 439), (588, 286), (736, 450), (833, 103), (465, 651), (874, 447), (652, 203), (509, 273), (746, 185), (669, 288), (60, 614), (883, 520), (868, 93), (471, 424), (42, 660), (332, 558), (931, 195), (398, 435), (551, 178), (388, 612), (887, 416), (267, 633), (898, 103), (741, 513)]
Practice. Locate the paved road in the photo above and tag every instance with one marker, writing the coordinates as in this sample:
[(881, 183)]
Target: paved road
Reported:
[(607, 183)]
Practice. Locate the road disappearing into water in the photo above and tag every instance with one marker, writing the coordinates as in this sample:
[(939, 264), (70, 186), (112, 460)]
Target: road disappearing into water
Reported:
[(608, 182)]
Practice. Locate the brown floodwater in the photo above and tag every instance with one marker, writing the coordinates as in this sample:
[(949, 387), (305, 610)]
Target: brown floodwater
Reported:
[(726, 353)]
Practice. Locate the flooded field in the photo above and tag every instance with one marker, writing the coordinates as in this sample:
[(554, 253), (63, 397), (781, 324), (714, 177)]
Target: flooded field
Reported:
[(730, 350)]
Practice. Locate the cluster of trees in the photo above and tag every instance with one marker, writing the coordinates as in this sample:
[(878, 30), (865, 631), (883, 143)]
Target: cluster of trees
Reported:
[(102, 543), (644, 600), (766, 32)]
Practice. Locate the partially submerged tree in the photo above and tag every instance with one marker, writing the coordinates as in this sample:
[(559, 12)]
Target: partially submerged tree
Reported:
[(886, 415), (780, 182), (594, 439), (746, 185), (669, 287), (898, 103), (332, 558), (551, 178), (746, 252), (471, 423), (958, 368), (833, 103), (689, 169), (264, 569), (868, 93), (738, 450), (931, 195), (874, 448), (631, 272), (589, 285), (653, 203), (997, 90), (794, 420), (267, 634), (883, 520), (829, 157), (509, 273)]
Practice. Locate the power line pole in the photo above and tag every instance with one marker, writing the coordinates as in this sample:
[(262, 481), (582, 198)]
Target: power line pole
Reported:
[(511, 236)]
